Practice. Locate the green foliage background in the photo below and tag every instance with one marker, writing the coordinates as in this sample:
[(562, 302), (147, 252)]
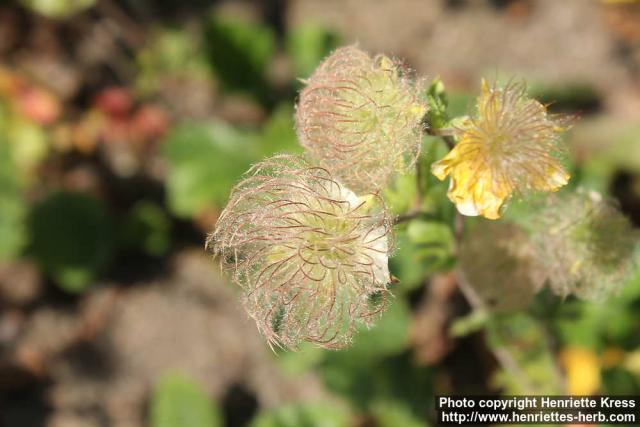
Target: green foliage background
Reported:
[(79, 239)]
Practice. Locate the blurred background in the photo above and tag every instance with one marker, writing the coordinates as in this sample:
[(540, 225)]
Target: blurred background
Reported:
[(123, 126)]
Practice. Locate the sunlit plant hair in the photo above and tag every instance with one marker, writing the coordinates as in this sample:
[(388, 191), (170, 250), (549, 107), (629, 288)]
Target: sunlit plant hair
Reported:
[(511, 144), (361, 117), (311, 257), (588, 247)]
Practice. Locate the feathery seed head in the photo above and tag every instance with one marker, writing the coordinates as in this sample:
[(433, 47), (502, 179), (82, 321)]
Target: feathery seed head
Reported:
[(496, 259), (361, 116), (310, 255), (511, 145), (587, 246)]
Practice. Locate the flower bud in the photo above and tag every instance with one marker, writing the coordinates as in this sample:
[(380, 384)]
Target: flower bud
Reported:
[(310, 256), (361, 117)]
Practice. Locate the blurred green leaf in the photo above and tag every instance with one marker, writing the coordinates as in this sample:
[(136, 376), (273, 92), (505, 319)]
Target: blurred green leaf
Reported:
[(595, 325), (465, 325), (401, 194), (13, 207), (620, 381), (379, 366), (306, 357), (433, 241), (180, 402), (307, 45), (525, 340), (571, 96), (147, 227), (240, 53), (304, 415), (278, 134), (58, 8), (71, 239), (205, 161), (434, 200), (174, 54), (459, 103), (392, 413), (366, 381), (29, 145), (406, 264), (437, 101), (389, 335)]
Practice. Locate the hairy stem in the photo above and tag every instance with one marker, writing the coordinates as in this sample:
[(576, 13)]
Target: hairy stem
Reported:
[(502, 354)]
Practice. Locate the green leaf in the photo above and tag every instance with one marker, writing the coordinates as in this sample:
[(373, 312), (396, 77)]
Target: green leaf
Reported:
[(304, 415), (13, 208), (459, 103), (365, 381), (71, 239), (278, 134), (525, 340), (240, 53), (205, 161), (147, 227), (392, 413), (389, 335), (473, 322), (180, 402), (434, 242), (307, 45), (305, 358), (400, 195), (387, 338), (58, 8), (174, 55), (437, 102), (29, 146), (435, 201), (406, 264)]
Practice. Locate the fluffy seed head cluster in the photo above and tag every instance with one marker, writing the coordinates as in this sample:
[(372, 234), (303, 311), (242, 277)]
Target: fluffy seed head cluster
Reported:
[(587, 246), (361, 116), (310, 255), (510, 145)]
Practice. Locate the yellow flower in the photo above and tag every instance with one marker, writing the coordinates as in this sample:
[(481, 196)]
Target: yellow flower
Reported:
[(511, 145), (582, 367)]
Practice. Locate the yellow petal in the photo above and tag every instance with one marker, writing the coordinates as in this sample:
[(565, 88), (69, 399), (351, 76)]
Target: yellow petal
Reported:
[(498, 153), (583, 370), (473, 189)]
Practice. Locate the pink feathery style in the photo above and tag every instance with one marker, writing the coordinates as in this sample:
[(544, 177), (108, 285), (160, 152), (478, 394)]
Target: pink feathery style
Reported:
[(361, 117), (310, 255)]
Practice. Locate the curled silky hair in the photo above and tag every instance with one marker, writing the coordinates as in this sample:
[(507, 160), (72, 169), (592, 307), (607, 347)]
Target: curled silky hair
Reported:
[(361, 117), (310, 256)]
